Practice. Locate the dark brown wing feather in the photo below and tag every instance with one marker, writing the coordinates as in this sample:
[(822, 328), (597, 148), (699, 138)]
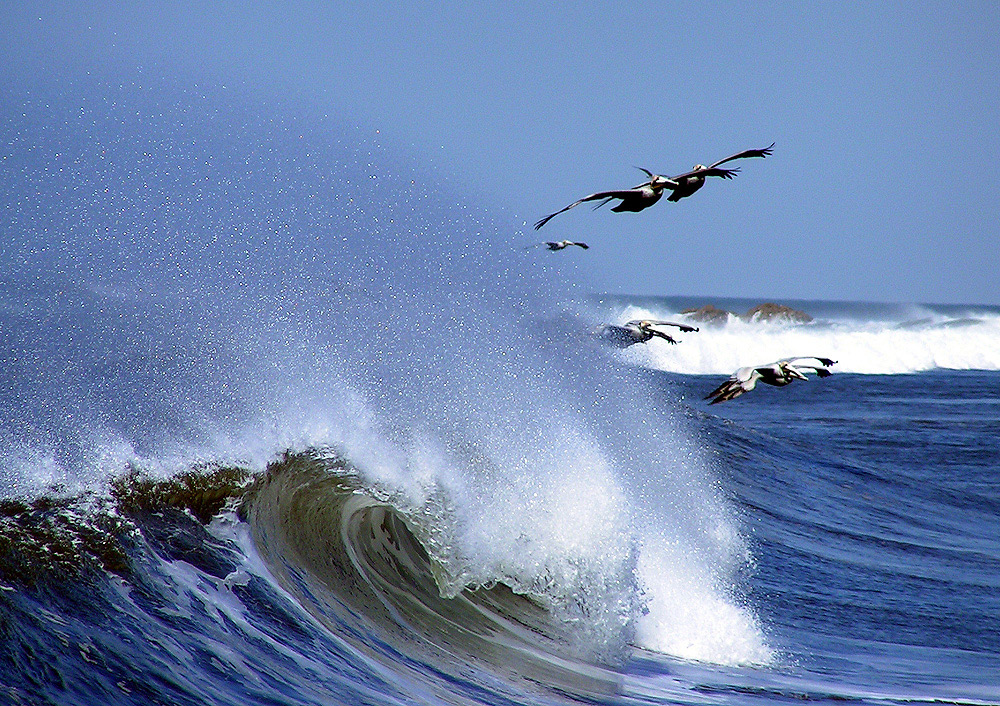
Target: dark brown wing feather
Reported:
[(744, 154), (666, 337), (619, 194), (706, 172)]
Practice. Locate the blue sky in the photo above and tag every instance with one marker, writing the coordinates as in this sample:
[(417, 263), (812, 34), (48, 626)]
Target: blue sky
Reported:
[(884, 183)]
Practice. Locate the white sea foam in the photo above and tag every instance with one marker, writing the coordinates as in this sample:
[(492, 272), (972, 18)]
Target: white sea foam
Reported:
[(691, 615), (926, 342), (621, 542)]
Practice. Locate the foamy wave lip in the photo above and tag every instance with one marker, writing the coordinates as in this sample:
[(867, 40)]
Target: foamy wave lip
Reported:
[(689, 618)]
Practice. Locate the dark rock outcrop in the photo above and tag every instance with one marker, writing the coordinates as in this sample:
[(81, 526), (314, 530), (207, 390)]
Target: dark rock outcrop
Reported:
[(709, 314), (776, 312)]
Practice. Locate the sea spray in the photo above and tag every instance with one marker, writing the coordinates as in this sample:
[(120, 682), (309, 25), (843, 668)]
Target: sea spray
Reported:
[(249, 287)]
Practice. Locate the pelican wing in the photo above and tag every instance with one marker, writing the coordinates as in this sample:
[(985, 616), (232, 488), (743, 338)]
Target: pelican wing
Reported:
[(810, 363), (786, 370), (628, 192), (818, 362), (744, 154), (618, 194), (704, 172), (743, 380), (683, 327), (820, 366), (666, 337)]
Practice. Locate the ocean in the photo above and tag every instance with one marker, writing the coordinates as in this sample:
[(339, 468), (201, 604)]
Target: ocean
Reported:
[(283, 420)]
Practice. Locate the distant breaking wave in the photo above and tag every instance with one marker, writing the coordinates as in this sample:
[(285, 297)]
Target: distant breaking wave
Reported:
[(862, 339)]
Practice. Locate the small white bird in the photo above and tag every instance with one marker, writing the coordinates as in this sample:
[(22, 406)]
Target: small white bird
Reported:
[(779, 374), (562, 244), (638, 331)]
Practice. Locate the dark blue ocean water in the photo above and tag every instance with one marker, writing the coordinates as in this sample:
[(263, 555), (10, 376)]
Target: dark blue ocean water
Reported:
[(249, 455), (874, 505)]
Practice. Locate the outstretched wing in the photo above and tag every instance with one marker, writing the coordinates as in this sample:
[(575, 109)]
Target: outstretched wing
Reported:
[(705, 172), (620, 194), (809, 362), (714, 170), (743, 380), (683, 327), (744, 154), (666, 337)]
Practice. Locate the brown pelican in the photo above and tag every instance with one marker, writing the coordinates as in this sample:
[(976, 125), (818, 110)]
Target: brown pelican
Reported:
[(779, 374), (559, 245), (637, 331), (635, 199), (695, 179), (649, 192)]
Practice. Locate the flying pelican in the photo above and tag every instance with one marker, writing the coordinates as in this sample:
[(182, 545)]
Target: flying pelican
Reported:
[(562, 244), (649, 192), (635, 199), (695, 179), (779, 374), (638, 331)]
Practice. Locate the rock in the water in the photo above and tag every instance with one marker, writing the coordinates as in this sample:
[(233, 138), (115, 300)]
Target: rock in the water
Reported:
[(709, 314), (776, 312)]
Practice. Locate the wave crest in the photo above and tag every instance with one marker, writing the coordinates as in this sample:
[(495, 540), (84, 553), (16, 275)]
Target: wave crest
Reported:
[(353, 559)]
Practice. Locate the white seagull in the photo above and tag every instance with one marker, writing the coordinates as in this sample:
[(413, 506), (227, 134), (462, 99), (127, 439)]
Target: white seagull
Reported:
[(778, 373), (649, 192), (638, 331)]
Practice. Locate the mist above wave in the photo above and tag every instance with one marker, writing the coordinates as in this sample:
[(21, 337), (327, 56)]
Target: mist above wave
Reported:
[(201, 282)]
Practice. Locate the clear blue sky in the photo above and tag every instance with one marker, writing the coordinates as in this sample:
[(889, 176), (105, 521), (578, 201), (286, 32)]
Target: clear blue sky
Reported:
[(884, 183)]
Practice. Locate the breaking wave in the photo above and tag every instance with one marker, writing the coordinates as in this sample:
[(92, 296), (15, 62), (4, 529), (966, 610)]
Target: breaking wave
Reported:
[(863, 338)]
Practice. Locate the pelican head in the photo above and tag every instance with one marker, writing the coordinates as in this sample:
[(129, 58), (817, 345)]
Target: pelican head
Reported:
[(658, 182)]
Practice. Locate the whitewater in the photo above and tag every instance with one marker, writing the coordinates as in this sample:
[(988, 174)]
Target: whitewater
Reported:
[(276, 428), (869, 338)]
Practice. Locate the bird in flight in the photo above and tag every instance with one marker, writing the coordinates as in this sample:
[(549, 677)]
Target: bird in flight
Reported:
[(560, 245), (638, 331), (649, 192), (778, 373)]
